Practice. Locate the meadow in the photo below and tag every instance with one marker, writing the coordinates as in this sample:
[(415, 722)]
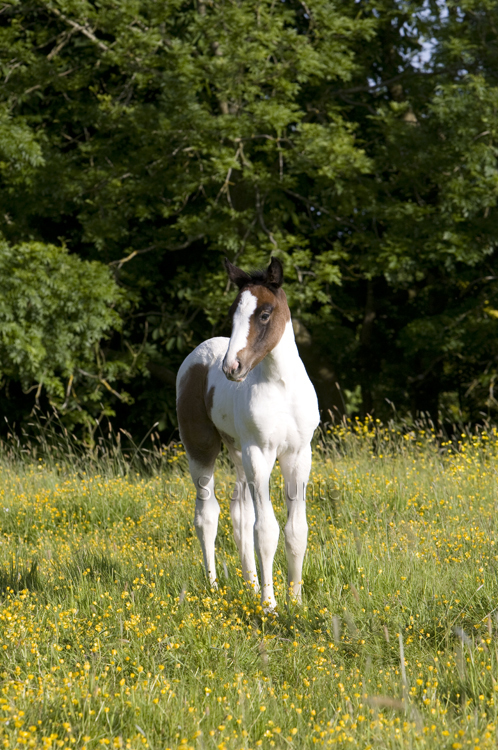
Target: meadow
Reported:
[(110, 635)]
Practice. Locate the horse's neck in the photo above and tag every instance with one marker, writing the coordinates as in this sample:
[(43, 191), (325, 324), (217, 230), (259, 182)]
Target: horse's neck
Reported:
[(280, 363)]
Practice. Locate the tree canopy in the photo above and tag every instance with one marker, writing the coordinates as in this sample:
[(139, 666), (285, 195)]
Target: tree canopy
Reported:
[(355, 141)]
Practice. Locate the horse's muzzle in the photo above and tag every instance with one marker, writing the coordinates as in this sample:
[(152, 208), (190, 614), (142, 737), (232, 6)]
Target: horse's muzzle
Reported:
[(233, 371)]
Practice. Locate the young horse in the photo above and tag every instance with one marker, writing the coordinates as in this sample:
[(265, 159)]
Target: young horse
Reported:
[(253, 393)]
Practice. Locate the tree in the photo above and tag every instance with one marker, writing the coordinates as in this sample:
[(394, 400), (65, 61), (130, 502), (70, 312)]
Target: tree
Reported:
[(55, 311), (423, 245), (173, 134)]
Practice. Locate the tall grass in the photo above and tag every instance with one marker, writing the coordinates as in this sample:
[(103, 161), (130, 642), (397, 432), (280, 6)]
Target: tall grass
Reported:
[(109, 634), (107, 451)]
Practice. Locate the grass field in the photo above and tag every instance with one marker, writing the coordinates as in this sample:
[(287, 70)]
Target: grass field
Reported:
[(110, 636)]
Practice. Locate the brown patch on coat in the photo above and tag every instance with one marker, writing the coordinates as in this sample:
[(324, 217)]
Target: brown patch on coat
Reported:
[(263, 337), (194, 404)]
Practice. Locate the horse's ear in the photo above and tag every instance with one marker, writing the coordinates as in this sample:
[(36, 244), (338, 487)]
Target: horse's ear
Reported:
[(275, 273), (239, 277)]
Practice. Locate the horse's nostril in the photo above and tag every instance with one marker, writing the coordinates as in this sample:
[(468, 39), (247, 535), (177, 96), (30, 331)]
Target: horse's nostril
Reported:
[(232, 368)]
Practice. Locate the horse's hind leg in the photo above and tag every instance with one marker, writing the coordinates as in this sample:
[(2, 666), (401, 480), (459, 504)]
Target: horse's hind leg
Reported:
[(243, 517), (202, 444), (206, 514)]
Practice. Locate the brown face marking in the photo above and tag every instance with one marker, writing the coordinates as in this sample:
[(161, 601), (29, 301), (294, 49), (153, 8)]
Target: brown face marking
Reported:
[(266, 327), (194, 403)]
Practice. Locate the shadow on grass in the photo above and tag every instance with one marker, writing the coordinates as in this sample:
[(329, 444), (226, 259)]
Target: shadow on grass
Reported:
[(20, 576), (94, 567)]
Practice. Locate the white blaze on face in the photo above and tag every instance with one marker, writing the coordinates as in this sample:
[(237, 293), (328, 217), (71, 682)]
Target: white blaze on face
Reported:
[(240, 326)]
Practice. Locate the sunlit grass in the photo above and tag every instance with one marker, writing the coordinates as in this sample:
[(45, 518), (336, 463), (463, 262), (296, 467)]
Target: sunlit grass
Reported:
[(109, 634)]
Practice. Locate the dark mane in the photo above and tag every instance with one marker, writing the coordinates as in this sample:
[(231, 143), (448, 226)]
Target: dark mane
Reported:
[(271, 278), (259, 277)]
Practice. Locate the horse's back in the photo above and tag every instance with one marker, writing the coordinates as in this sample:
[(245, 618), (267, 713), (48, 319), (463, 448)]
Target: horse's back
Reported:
[(194, 401)]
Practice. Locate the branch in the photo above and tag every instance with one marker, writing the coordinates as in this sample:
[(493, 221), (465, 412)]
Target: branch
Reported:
[(323, 210), (482, 280), (183, 246), (358, 89), (82, 29), (187, 243), (102, 381), (132, 255), (62, 40), (259, 210)]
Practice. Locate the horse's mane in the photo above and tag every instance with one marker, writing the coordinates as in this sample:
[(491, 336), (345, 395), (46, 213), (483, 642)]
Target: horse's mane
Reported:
[(259, 277), (270, 277)]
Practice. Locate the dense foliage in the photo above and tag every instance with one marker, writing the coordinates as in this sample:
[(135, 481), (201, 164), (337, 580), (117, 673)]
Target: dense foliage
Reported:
[(355, 141), (54, 312)]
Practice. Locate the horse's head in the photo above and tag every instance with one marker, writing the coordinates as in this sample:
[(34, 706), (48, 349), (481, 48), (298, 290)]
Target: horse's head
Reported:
[(259, 316)]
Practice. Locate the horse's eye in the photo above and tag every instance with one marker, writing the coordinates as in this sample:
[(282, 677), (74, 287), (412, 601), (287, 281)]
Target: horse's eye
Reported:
[(265, 317)]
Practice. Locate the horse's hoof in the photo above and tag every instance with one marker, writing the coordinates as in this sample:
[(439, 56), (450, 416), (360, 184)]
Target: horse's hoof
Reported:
[(270, 611)]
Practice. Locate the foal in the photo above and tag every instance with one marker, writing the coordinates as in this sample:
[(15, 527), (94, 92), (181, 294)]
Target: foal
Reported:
[(253, 393)]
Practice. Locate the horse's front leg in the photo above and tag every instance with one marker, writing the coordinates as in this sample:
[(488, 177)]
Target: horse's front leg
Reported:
[(242, 512), (257, 467), (296, 470)]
